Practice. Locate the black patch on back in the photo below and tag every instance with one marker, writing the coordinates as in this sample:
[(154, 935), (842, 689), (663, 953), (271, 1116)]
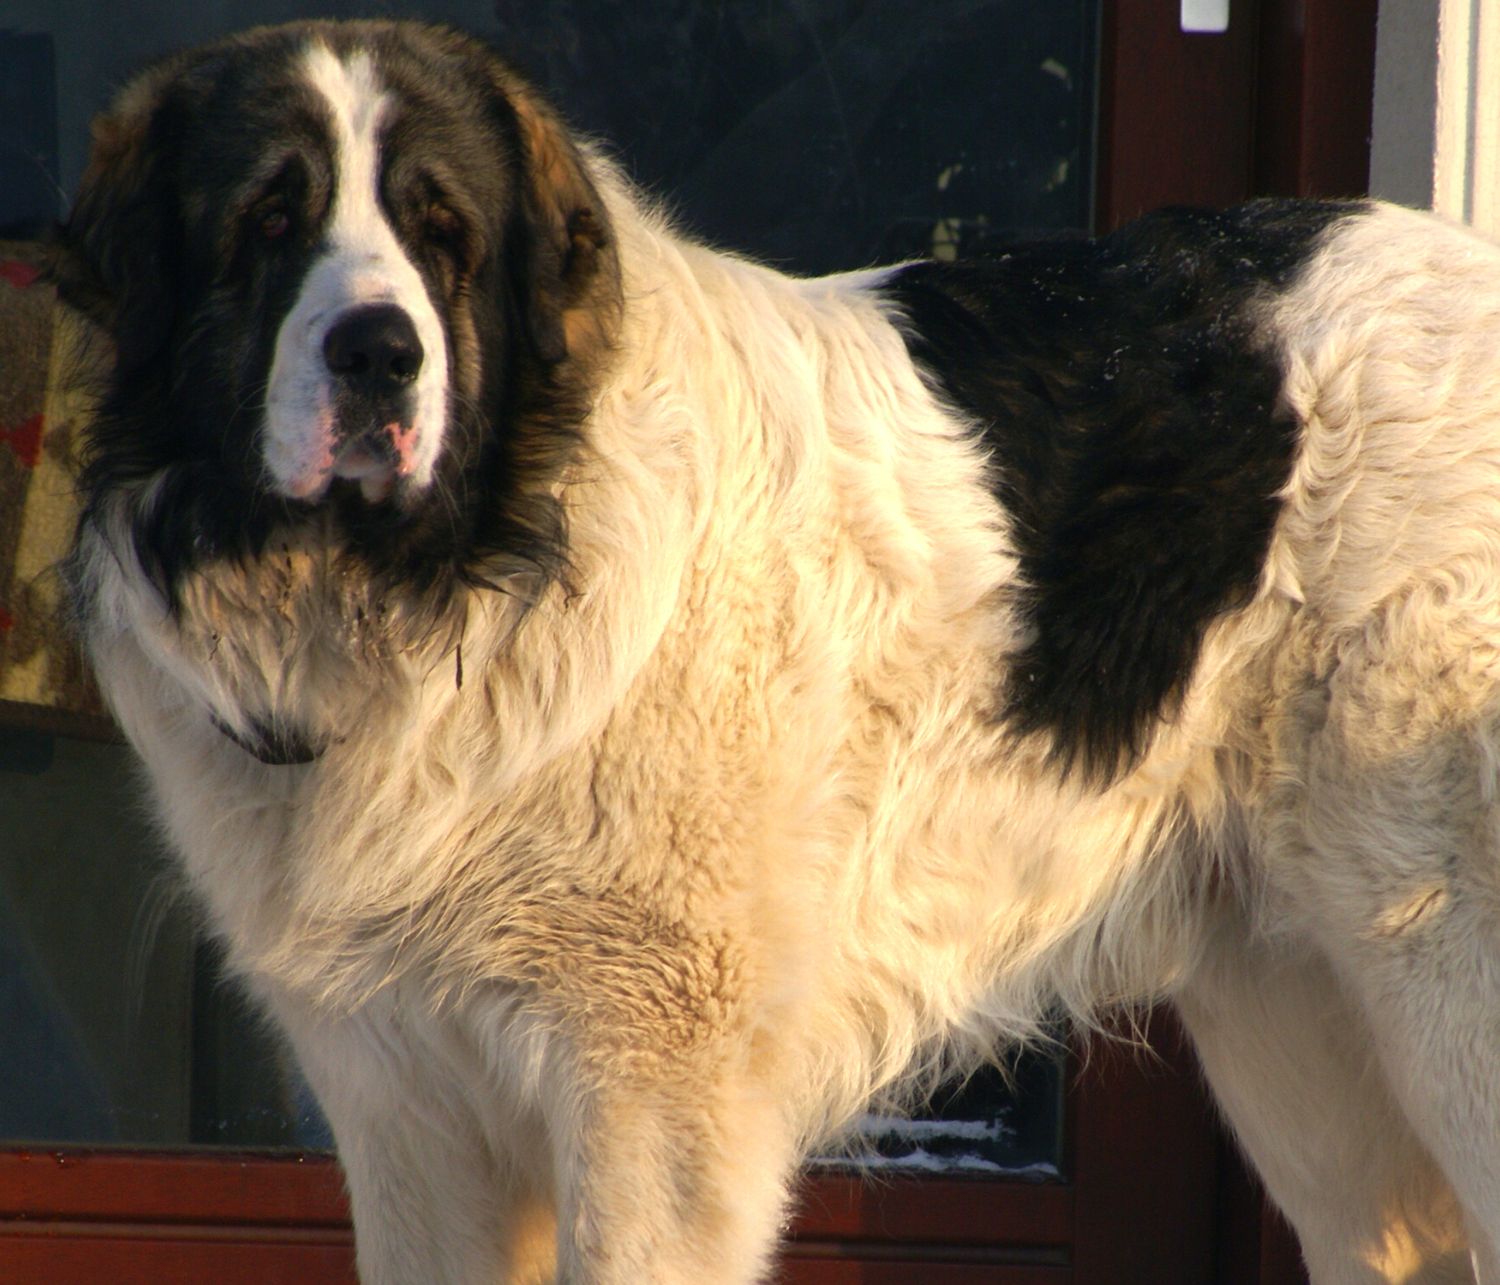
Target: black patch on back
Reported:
[(1139, 446)]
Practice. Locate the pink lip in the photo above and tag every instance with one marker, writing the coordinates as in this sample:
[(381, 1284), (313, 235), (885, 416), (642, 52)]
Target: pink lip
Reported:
[(310, 479), (310, 483), (404, 438)]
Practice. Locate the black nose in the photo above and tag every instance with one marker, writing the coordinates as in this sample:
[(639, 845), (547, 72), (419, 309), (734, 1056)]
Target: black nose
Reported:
[(374, 349)]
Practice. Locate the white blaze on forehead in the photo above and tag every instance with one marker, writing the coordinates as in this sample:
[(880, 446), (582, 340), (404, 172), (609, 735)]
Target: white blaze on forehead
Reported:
[(364, 263), (358, 103)]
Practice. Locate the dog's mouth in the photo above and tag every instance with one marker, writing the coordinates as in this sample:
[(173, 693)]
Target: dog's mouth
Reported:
[(376, 459), (374, 453)]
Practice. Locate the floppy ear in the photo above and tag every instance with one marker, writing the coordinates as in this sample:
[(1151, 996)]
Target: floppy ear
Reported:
[(573, 311), (110, 257)]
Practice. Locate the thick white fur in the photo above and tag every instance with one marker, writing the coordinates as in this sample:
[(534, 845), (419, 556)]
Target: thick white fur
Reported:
[(705, 853), (365, 264)]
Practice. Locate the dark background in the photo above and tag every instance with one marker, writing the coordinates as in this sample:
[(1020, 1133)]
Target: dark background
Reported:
[(821, 134)]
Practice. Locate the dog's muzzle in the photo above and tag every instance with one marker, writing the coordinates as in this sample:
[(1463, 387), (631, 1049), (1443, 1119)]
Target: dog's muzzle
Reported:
[(373, 356)]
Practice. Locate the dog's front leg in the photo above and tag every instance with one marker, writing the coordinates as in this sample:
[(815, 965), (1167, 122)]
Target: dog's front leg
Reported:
[(435, 1199), (668, 1171)]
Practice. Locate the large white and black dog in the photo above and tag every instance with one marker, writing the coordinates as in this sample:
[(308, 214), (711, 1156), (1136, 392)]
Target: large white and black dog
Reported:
[(623, 707)]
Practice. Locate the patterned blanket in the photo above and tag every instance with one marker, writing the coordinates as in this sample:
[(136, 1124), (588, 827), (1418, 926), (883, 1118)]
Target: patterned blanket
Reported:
[(42, 679)]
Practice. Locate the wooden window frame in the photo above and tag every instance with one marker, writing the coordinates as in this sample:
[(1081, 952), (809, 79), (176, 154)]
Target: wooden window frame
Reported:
[(1138, 1201)]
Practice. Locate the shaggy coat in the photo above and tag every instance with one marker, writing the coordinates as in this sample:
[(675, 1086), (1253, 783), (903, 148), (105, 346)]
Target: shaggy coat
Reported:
[(623, 707)]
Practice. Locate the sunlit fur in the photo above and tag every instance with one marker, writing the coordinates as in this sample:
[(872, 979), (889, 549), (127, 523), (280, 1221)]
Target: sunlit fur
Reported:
[(607, 899)]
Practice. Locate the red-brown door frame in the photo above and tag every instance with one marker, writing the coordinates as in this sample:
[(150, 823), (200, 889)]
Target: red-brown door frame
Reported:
[(1142, 1202), (1278, 105)]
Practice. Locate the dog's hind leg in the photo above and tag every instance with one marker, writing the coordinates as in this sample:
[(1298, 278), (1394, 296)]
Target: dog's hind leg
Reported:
[(1382, 846), (1292, 1065)]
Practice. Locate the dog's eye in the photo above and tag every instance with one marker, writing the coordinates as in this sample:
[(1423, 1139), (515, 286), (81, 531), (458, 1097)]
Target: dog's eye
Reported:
[(271, 218), (442, 227)]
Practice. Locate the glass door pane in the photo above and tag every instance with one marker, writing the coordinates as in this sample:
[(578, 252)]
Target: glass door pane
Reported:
[(119, 1028)]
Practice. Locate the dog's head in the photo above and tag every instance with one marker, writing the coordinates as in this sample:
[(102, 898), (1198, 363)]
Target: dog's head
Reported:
[(350, 271)]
